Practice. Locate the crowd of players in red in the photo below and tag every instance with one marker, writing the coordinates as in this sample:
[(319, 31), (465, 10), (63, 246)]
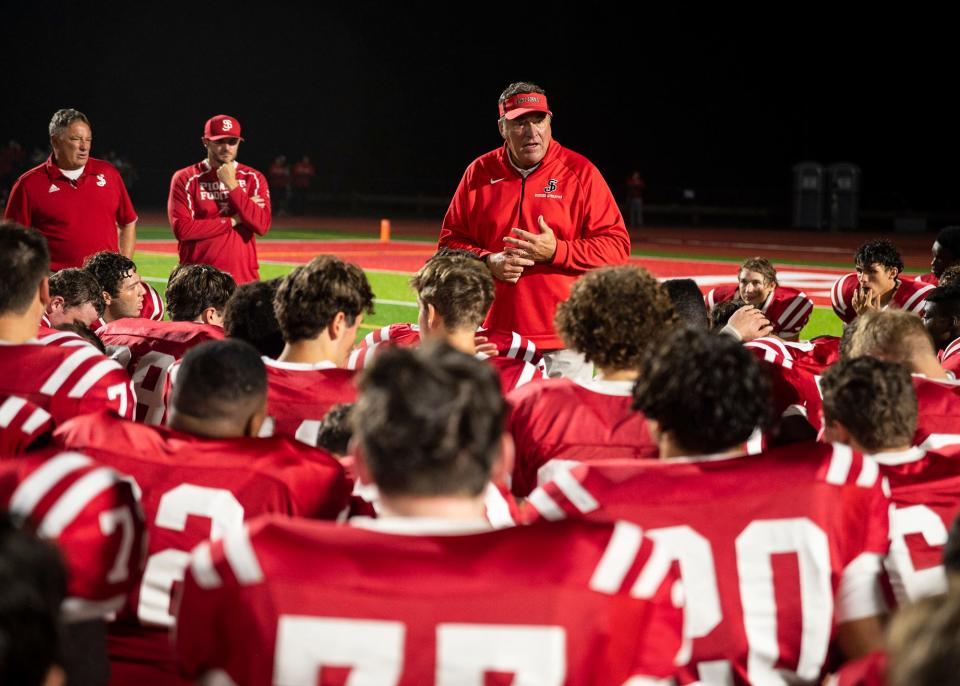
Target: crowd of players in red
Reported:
[(240, 494)]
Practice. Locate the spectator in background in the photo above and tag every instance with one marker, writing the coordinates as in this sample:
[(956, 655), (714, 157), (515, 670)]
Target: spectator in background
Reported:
[(278, 174), (635, 186), (79, 203), (303, 174)]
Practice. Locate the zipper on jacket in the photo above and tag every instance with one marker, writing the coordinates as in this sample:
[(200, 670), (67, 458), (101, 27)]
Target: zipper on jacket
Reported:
[(523, 183)]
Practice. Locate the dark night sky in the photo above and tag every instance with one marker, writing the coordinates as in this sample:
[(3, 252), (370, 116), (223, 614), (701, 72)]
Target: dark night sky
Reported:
[(400, 100)]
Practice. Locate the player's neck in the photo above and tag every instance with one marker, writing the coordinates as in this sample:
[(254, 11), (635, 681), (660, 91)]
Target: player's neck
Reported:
[(670, 449), (929, 366), (459, 508), (463, 340), (17, 328), (882, 451), (611, 374), (310, 351), (204, 427), (888, 296)]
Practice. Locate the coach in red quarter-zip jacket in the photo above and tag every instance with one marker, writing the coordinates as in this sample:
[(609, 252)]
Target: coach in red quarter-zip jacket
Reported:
[(540, 216), (218, 207)]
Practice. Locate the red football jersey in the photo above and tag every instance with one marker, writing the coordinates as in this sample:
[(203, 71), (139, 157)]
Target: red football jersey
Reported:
[(787, 309), (23, 424), (153, 307), (910, 295), (930, 278), (148, 349), (950, 356), (938, 414), (55, 337), (794, 388), (509, 343), (194, 489), (774, 549), (813, 356), (558, 421), (869, 670), (94, 516), (299, 394), (417, 602), (65, 381), (925, 489)]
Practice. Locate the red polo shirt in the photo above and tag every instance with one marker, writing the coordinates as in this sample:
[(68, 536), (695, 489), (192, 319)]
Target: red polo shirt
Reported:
[(79, 218)]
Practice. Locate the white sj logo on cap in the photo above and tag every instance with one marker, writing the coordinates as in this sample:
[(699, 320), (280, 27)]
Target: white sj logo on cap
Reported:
[(227, 124)]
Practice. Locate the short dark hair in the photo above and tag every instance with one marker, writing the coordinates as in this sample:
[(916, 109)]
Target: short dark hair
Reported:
[(951, 275), (429, 421), (335, 430), (707, 390), (62, 119), (687, 302), (873, 399), (24, 262), (76, 287), (248, 316), (613, 314), (217, 376), (880, 251), (33, 583), (762, 266), (309, 297), (85, 332), (197, 287), (949, 238), (461, 290), (109, 269), (947, 296), (722, 311)]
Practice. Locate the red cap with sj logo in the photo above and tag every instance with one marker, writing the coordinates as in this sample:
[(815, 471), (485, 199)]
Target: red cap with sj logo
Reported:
[(221, 126), (521, 103)]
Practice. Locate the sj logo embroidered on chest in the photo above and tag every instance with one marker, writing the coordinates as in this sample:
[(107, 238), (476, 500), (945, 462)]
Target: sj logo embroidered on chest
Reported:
[(101, 180), (548, 191)]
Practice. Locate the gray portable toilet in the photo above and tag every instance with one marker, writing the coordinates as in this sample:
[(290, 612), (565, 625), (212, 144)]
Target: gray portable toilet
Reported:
[(808, 195), (844, 180)]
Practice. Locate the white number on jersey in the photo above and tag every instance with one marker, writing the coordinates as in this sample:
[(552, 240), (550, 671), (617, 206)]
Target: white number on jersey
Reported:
[(910, 584)]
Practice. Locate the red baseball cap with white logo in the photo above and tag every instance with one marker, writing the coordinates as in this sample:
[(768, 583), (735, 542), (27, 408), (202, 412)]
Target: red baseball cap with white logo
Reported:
[(521, 103), (221, 126)]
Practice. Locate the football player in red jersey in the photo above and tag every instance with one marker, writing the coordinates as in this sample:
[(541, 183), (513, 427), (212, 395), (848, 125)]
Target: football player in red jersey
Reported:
[(942, 319), (428, 593), (201, 477), (23, 425), (32, 584), (878, 284), (944, 253), (787, 309), (196, 296), (899, 336), (319, 307), (123, 290), (612, 316), (64, 381), (780, 552), (75, 296), (454, 295), (870, 405)]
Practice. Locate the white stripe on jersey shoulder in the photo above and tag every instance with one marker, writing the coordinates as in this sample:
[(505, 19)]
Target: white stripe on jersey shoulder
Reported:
[(498, 509), (574, 491), (67, 367), (841, 461), (10, 408), (33, 488), (797, 300), (618, 558), (546, 506), (239, 552), (35, 420), (869, 473), (912, 304), (514, 344), (937, 441), (74, 499), (902, 456), (803, 312), (92, 376), (527, 375)]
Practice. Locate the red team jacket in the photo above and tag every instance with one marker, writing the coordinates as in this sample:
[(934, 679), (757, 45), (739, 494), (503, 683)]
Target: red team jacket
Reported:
[(148, 349), (78, 218), (422, 602), (774, 549), (94, 517), (65, 380), (910, 296), (194, 489), (575, 202), (199, 209), (787, 309), (558, 421)]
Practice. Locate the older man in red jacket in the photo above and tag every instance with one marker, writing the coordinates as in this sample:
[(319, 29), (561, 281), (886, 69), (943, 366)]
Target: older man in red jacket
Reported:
[(539, 215)]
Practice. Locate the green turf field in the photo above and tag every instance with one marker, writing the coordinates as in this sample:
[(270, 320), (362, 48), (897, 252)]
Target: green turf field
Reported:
[(395, 300)]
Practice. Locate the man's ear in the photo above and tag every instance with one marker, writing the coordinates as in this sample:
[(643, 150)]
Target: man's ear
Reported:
[(433, 317), (360, 467), (44, 292), (255, 420), (211, 316), (502, 468), (835, 432), (502, 126), (107, 299), (56, 303), (336, 326)]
